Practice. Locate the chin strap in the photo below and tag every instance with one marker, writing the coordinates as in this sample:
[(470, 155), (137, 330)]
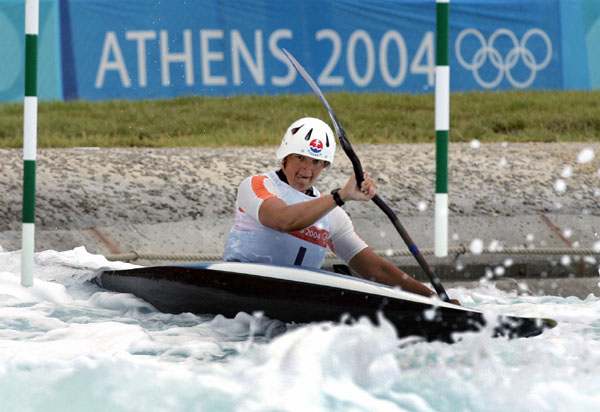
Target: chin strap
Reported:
[(310, 192)]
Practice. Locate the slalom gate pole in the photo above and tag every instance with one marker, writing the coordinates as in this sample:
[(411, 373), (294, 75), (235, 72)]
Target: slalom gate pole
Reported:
[(442, 126), (29, 140)]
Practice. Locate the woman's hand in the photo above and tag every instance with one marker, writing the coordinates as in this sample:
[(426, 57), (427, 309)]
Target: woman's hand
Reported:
[(352, 192)]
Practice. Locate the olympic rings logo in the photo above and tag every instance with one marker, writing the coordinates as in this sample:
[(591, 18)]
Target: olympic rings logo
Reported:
[(506, 64)]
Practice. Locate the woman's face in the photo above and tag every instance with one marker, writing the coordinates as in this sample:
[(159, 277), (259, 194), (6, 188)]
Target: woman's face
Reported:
[(302, 171)]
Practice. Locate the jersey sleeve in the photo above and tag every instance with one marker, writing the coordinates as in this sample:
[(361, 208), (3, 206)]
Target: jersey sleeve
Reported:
[(344, 241), (253, 191)]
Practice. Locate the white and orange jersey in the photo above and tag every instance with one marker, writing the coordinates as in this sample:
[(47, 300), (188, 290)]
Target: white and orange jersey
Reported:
[(251, 241)]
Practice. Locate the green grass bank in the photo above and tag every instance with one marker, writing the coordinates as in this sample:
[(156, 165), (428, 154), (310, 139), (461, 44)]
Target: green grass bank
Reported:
[(511, 116)]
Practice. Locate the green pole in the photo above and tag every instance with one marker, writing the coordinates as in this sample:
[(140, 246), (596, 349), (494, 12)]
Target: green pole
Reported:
[(442, 126), (29, 140)]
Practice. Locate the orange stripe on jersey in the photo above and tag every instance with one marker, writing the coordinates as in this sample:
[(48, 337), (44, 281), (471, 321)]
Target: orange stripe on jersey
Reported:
[(313, 235), (258, 186)]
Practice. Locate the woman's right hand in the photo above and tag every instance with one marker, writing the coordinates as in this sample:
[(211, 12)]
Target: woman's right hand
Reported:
[(352, 192)]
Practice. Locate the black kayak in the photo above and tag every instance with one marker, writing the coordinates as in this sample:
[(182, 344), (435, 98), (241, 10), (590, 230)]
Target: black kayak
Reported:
[(301, 295)]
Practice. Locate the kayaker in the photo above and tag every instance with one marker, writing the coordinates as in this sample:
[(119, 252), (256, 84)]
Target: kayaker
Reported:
[(281, 218)]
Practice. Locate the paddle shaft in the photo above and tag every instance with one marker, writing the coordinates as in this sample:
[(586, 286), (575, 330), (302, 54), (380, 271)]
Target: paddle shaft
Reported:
[(414, 250), (435, 281), (358, 172)]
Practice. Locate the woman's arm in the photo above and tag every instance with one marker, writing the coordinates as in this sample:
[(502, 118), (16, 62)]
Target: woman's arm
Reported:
[(278, 215), (372, 267)]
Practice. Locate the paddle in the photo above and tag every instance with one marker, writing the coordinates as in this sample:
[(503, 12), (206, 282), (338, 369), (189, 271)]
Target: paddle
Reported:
[(358, 172)]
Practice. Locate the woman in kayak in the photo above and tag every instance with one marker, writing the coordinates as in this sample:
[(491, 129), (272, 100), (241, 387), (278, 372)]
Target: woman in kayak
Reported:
[(281, 218)]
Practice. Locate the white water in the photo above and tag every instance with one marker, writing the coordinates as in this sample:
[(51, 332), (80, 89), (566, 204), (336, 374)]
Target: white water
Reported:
[(68, 345)]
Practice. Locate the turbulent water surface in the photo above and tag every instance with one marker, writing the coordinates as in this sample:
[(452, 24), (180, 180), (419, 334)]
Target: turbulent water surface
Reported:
[(66, 344)]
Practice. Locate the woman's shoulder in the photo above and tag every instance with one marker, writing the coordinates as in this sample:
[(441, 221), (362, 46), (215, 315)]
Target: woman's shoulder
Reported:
[(249, 179)]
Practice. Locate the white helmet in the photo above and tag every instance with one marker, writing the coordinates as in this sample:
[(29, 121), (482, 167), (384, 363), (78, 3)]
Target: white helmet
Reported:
[(308, 137)]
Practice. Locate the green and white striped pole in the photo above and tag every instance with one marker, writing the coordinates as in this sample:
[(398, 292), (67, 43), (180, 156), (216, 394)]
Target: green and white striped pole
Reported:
[(442, 126), (29, 140)]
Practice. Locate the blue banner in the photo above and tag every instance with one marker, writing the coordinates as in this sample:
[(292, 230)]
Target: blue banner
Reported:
[(12, 51), (517, 51), (591, 26), (115, 49)]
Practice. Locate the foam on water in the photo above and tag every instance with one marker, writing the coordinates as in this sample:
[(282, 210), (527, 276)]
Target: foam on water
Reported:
[(66, 344)]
